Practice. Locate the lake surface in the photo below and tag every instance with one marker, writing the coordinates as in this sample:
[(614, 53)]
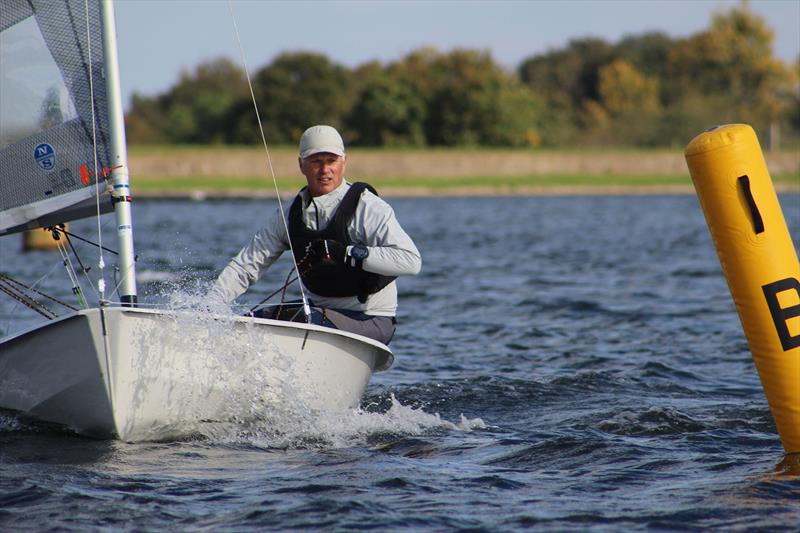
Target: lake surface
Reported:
[(566, 363)]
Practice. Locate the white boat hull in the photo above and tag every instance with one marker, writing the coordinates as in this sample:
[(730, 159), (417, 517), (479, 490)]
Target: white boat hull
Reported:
[(139, 374)]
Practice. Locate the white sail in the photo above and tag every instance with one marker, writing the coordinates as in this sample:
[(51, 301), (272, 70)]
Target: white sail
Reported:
[(52, 117)]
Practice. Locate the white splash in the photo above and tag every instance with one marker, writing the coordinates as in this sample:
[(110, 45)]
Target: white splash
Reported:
[(204, 364), (240, 375), (9, 423), (291, 428)]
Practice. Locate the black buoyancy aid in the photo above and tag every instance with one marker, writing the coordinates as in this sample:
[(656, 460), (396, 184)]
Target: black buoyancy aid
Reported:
[(339, 280)]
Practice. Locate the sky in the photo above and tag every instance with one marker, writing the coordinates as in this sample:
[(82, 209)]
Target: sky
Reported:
[(159, 38)]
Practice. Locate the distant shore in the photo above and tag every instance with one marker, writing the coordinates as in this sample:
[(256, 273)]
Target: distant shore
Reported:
[(205, 195), (224, 172)]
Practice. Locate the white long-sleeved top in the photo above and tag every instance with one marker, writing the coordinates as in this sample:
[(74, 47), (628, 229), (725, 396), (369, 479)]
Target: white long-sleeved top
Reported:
[(391, 250)]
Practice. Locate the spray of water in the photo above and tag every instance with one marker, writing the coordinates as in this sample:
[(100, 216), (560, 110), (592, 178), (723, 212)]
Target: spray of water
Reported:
[(289, 428), (10, 423), (202, 365), (248, 389)]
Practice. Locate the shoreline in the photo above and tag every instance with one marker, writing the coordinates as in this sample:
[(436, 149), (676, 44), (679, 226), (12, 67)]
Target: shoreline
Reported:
[(428, 192), (212, 172), (183, 162)]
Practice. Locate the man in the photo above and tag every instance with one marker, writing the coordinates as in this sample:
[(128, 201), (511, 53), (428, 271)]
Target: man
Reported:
[(347, 244)]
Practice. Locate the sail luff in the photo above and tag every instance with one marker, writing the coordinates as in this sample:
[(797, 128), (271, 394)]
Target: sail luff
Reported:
[(120, 178)]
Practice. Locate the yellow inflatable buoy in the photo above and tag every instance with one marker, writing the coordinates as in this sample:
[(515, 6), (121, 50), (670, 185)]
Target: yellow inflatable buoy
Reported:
[(758, 259), (39, 239)]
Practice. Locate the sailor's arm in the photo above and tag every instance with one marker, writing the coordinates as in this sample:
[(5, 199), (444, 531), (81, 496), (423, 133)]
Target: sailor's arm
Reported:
[(391, 250), (250, 263)]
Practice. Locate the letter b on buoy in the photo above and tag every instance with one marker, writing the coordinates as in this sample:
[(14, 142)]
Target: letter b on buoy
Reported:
[(758, 259), (781, 315)]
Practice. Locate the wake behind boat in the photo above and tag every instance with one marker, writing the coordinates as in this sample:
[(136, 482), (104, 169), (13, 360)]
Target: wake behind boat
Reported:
[(117, 369)]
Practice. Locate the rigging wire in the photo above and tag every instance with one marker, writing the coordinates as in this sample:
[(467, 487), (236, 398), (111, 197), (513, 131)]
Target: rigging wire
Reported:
[(101, 282), (121, 279), (304, 266), (76, 286), (83, 269), (281, 290), (18, 290), (73, 236), (74, 251), (33, 288), (56, 230), (26, 300), (306, 307)]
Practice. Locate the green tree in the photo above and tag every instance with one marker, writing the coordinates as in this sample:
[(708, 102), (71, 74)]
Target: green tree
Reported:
[(570, 73), (460, 98), (392, 103), (628, 106), (200, 105), (197, 109), (388, 112), (648, 53), (146, 120), (419, 69), (732, 64), (566, 80), (475, 102), (295, 91)]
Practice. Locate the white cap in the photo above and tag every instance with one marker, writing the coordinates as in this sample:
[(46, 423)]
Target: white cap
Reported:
[(317, 139)]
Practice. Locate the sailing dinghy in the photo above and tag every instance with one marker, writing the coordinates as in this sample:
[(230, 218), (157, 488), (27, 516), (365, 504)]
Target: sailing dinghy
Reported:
[(119, 369)]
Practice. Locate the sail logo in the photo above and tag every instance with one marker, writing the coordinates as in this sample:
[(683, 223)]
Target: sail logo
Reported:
[(45, 156)]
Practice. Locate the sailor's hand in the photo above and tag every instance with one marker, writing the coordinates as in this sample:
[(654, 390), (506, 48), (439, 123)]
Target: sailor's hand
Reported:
[(325, 252)]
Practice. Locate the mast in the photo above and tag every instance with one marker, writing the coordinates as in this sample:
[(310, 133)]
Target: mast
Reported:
[(121, 193)]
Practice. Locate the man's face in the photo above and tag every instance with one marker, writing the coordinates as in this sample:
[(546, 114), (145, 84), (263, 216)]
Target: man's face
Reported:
[(323, 171)]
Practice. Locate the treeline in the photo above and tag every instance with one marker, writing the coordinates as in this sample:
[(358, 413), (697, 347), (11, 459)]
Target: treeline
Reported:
[(646, 90)]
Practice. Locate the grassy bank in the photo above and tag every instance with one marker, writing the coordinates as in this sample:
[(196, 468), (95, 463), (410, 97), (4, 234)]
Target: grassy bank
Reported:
[(224, 171)]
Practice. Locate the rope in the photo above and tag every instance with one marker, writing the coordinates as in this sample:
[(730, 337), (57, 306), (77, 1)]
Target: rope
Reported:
[(10, 286), (283, 289), (304, 264), (72, 235), (306, 307), (13, 284), (71, 247), (76, 288), (101, 284), (55, 230), (27, 301), (84, 270), (10, 281)]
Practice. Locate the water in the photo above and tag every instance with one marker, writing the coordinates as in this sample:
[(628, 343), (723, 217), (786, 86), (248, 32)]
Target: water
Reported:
[(562, 364)]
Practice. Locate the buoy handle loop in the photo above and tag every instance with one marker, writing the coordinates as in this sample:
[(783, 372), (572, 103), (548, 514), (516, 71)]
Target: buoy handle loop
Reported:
[(758, 222)]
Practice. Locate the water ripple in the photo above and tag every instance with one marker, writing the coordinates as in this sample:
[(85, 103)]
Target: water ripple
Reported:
[(563, 364)]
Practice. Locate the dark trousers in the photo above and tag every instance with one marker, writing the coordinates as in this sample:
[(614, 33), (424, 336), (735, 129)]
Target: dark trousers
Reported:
[(380, 328)]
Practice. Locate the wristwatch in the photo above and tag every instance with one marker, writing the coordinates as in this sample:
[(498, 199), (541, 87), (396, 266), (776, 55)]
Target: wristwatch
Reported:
[(358, 252)]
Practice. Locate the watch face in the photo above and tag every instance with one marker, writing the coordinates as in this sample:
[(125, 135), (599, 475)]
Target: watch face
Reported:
[(359, 252)]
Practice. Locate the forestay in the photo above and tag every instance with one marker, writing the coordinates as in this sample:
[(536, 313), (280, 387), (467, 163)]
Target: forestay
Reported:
[(48, 171)]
